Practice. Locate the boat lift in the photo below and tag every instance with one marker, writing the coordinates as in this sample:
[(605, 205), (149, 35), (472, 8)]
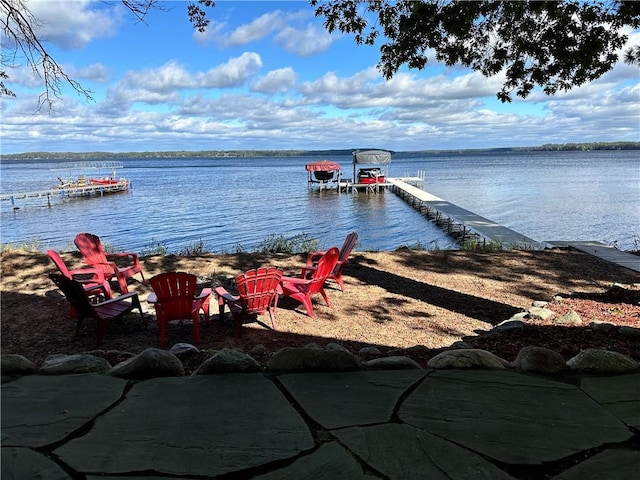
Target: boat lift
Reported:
[(370, 179)]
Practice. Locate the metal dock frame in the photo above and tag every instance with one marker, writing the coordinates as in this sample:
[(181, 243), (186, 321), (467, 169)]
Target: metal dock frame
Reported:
[(459, 223)]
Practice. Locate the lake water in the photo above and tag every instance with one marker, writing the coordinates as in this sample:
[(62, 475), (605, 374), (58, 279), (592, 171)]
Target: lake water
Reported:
[(238, 202)]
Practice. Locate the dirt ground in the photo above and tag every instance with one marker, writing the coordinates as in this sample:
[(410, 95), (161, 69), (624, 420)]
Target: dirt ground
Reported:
[(392, 300)]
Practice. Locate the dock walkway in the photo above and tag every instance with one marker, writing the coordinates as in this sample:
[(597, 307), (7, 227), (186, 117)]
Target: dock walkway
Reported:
[(76, 191), (461, 222), (601, 250)]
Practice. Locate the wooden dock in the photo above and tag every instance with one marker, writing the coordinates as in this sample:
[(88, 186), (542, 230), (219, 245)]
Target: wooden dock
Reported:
[(460, 223), (601, 250), (75, 191)]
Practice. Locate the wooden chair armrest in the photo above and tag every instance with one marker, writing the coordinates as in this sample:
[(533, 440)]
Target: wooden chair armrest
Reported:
[(222, 293), (122, 255), (99, 274), (306, 269), (313, 257), (125, 296), (297, 280), (93, 287), (203, 294), (133, 256)]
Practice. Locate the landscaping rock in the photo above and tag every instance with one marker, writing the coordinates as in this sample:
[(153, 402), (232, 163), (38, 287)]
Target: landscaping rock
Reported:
[(313, 359), (538, 313), (369, 351), (539, 304), (16, 365), (61, 364), (604, 327), (539, 359), (469, 358), (569, 318), (418, 350), (336, 346), (602, 361), (259, 350), (153, 362), (510, 326), (181, 349), (228, 360), (391, 363), (629, 331)]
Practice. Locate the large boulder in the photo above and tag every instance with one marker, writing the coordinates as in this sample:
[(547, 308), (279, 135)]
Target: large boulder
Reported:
[(61, 364), (467, 358), (14, 365), (602, 361), (229, 360), (539, 359), (314, 359), (391, 363), (569, 318), (153, 362)]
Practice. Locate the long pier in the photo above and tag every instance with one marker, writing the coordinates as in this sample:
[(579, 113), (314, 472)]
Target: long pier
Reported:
[(72, 191), (460, 223)]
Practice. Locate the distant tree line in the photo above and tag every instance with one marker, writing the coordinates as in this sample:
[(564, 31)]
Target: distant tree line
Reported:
[(303, 153)]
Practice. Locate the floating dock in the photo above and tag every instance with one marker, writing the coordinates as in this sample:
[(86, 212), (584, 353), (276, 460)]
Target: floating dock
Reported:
[(75, 191), (459, 223), (79, 186)]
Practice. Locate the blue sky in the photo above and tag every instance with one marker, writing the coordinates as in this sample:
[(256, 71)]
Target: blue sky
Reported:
[(267, 76)]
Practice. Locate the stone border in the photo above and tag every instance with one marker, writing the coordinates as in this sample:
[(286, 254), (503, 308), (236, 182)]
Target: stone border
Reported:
[(155, 362)]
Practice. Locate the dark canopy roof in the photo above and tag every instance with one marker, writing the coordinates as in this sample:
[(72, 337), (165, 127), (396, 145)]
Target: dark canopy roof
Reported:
[(371, 156)]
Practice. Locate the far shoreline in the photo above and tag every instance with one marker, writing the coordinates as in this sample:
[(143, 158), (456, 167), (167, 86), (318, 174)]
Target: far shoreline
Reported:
[(249, 153)]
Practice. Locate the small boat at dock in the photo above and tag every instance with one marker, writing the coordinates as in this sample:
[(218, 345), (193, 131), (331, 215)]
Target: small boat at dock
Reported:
[(323, 172), (74, 184), (371, 179), (80, 185)]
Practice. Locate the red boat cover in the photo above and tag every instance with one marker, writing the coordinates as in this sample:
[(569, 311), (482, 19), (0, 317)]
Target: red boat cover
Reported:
[(322, 165)]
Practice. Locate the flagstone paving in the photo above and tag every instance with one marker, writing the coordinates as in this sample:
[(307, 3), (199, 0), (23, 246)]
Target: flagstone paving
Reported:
[(383, 424)]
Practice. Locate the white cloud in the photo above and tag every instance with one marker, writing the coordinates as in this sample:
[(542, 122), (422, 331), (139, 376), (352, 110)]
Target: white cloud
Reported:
[(279, 80), (233, 73), (305, 43), (173, 76), (256, 30), (73, 24), (168, 77), (217, 31), (96, 73)]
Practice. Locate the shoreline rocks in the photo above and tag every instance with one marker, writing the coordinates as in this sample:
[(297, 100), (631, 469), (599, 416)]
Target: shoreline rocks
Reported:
[(155, 362)]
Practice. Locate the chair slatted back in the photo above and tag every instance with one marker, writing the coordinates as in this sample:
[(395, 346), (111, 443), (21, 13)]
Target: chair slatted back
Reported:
[(59, 263), (257, 289), (347, 247), (175, 292), (75, 294), (92, 250), (326, 264)]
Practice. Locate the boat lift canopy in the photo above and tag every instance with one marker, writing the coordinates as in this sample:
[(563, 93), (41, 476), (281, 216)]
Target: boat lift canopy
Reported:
[(322, 166), (370, 157), (322, 172)]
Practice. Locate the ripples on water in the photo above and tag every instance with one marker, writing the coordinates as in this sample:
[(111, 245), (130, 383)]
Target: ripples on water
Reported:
[(228, 203)]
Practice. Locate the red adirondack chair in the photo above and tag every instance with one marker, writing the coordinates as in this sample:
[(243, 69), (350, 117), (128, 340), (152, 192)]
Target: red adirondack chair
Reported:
[(91, 249), (347, 247), (302, 289), (92, 279), (257, 293), (174, 298), (103, 312)]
